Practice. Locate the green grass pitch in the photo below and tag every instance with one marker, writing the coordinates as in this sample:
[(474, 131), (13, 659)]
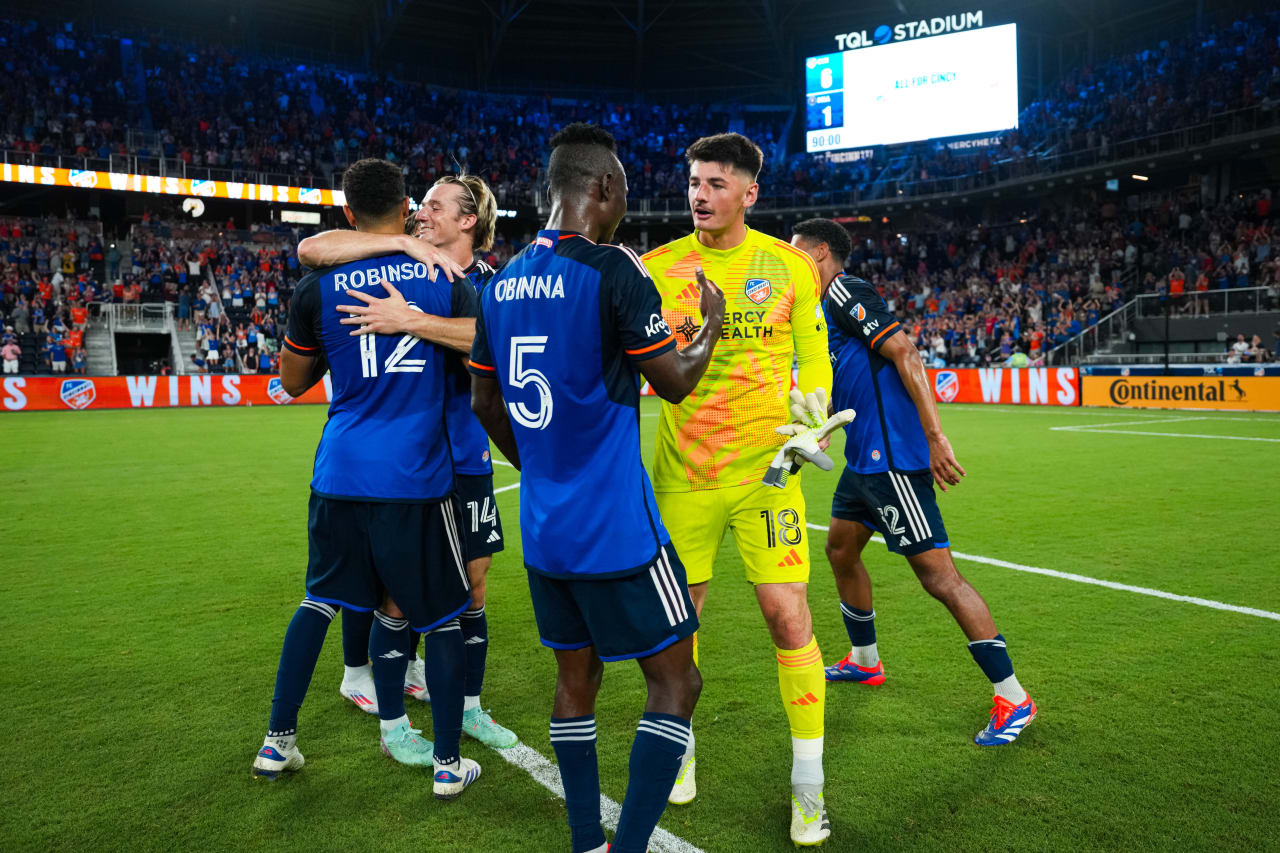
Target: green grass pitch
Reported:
[(150, 561)]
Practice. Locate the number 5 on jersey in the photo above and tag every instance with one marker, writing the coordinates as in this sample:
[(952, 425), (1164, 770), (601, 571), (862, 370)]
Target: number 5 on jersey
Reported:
[(520, 376)]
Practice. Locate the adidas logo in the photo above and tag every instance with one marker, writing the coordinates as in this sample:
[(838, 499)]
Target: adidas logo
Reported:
[(494, 536), (792, 559), (392, 655), (904, 541), (474, 641), (806, 699)]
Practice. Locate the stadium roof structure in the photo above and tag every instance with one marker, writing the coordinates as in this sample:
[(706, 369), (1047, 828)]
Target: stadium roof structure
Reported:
[(664, 50)]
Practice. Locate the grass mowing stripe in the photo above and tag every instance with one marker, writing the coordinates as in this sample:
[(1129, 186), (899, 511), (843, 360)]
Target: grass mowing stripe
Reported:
[(1071, 576), (547, 775)]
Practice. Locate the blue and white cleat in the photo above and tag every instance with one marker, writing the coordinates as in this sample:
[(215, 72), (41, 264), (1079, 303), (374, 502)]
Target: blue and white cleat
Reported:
[(847, 670), (361, 693), (450, 780), (1007, 722), (278, 754)]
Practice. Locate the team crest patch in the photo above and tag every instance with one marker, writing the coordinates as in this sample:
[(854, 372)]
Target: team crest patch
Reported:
[(758, 290), (947, 385), (77, 393), (859, 313), (543, 241), (275, 390), (875, 455)]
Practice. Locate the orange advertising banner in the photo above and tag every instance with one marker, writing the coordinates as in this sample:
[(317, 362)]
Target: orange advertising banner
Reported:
[(1034, 386), (51, 176), (55, 393), (1231, 393)]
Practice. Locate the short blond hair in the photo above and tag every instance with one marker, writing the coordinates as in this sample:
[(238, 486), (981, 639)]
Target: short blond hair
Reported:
[(478, 200)]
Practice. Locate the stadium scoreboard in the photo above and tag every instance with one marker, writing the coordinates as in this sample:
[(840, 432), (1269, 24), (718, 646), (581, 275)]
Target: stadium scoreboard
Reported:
[(932, 79)]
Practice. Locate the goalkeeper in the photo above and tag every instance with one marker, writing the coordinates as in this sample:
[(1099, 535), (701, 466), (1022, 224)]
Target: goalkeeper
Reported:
[(715, 446), (896, 451)]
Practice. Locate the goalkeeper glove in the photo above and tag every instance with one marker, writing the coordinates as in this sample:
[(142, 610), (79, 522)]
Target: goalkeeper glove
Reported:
[(803, 437)]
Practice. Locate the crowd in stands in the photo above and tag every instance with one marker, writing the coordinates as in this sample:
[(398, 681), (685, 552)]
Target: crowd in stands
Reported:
[(213, 107), (1244, 352), (972, 295), (50, 271)]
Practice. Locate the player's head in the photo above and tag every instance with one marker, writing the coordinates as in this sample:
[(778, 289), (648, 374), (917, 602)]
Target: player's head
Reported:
[(586, 177), (374, 190), (722, 180), (457, 207), (827, 242)]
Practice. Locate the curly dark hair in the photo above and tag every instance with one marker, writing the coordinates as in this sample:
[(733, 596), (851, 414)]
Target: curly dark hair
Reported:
[(374, 188), (827, 231), (580, 153)]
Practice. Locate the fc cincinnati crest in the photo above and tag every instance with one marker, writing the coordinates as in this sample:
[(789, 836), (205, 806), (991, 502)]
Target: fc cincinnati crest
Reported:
[(77, 393), (859, 313), (275, 390), (947, 385), (758, 290)]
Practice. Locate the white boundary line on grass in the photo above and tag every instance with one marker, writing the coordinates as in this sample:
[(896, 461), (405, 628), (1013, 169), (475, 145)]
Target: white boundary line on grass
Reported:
[(547, 775), (1165, 434), (1071, 576)]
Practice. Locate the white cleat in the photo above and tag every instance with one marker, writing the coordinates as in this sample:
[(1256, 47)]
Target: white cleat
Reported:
[(809, 824), (278, 755), (415, 680), (686, 786), (450, 780), (360, 692)]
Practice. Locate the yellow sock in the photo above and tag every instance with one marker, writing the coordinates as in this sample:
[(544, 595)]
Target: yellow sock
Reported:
[(695, 649), (803, 685)]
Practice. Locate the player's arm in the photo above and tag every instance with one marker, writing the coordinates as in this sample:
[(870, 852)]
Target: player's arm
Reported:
[(393, 316), (672, 373), (486, 396), (330, 248), (302, 361), (860, 312), (809, 329)]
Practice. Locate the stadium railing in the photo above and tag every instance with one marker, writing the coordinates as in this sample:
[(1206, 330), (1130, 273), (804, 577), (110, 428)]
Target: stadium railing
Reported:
[(1112, 327), (1237, 300)]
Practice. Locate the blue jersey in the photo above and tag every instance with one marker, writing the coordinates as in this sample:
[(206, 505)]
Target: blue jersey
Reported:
[(386, 438), (886, 434), (468, 441), (561, 329)]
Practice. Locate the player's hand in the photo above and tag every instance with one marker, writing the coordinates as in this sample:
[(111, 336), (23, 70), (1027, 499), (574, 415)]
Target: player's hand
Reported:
[(943, 464), (424, 252), (711, 302), (376, 316)]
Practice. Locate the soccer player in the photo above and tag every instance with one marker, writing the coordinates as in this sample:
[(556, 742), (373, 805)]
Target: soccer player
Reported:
[(457, 217), (564, 331), (895, 450), (715, 446), (382, 528)]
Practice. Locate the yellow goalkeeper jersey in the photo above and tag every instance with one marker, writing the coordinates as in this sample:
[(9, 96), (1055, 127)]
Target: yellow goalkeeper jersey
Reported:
[(722, 434)]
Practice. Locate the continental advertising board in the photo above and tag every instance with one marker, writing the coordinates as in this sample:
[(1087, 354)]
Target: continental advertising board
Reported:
[(1221, 393), (78, 393)]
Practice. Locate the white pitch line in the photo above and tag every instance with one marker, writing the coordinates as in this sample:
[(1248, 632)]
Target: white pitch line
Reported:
[(502, 489), (1168, 434), (547, 775), (1071, 576), (503, 463), (1144, 422)]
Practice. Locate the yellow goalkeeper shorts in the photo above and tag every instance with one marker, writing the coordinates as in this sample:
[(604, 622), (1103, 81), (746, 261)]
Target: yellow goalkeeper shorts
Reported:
[(767, 524)]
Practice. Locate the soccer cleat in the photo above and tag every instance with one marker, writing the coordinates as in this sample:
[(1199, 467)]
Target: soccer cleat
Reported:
[(686, 786), (478, 724), (415, 680), (277, 755), (451, 779), (847, 670), (809, 824), (404, 745), (360, 691), (1007, 722)]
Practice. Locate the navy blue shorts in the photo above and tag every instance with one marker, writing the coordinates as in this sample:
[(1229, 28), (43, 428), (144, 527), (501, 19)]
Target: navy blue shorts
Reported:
[(900, 507), (359, 551), (623, 617), (481, 525)]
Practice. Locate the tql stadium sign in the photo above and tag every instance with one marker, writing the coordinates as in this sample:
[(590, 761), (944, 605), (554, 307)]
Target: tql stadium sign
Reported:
[(885, 34)]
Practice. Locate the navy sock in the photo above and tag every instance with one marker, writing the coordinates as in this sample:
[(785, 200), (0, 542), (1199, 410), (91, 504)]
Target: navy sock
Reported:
[(411, 645), (861, 625), (655, 762), (355, 636), (443, 651), (993, 657), (302, 643), (574, 740), (475, 636), (386, 650)]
